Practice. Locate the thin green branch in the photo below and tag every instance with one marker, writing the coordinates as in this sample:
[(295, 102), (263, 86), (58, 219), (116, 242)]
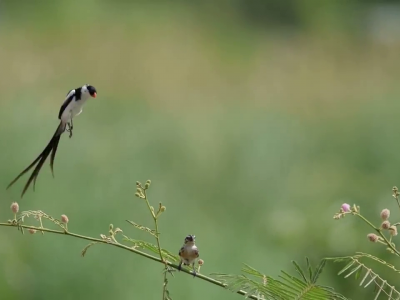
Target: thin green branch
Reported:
[(157, 236), (379, 231), (64, 232), (396, 195)]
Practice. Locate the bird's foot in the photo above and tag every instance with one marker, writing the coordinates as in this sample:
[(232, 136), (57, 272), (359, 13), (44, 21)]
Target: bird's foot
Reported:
[(70, 131), (70, 127)]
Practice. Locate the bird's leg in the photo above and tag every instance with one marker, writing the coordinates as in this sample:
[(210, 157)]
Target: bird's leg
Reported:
[(180, 265), (194, 270), (69, 129), (70, 126)]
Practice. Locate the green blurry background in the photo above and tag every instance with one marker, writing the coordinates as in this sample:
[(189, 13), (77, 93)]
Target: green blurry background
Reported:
[(255, 121)]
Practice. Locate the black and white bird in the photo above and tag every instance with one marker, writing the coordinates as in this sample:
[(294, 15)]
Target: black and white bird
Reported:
[(71, 107), (188, 253)]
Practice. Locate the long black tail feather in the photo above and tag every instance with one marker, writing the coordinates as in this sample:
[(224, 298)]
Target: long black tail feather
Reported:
[(39, 161), (53, 153)]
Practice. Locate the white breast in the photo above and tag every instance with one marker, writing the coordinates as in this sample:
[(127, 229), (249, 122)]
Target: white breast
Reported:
[(73, 109), (190, 253)]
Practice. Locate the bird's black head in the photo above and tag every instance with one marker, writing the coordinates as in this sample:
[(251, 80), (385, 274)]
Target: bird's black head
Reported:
[(190, 238), (92, 90)]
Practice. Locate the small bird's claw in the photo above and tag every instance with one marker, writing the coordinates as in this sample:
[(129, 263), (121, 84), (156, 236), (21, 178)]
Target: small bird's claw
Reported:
[(69, 129)]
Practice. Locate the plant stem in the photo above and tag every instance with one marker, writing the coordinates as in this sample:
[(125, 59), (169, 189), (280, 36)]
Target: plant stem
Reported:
[(379, 231), (64, 232), (157, 236), (397, 199), (165, 286)]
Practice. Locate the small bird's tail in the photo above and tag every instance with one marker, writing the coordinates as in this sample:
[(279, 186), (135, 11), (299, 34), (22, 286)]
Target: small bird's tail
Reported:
[(50, 148)]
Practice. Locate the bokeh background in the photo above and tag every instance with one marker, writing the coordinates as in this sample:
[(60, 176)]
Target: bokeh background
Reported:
[(255, 120)]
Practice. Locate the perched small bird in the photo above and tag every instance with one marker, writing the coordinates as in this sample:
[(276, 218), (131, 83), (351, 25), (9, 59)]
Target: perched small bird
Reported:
[(188, 253), (71, 107)]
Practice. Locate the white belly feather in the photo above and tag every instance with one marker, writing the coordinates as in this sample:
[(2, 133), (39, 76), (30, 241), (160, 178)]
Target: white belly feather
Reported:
[(72, 110)]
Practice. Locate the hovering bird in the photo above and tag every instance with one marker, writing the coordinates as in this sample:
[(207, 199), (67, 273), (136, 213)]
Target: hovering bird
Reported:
[(71, 107), (188, 253)]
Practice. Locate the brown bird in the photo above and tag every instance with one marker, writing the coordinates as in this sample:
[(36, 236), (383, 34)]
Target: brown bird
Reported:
[(188, 253)]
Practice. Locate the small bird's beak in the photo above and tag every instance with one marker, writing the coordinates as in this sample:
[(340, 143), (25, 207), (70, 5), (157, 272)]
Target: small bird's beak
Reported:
[(94, 95)]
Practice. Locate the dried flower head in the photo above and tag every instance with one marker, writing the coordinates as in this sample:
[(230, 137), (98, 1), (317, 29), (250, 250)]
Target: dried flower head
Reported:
[(385, 224), (163, 208), (395, 192), (14, 207), (373, 237), (200, 262), (393, 230), (385, 214), (32, 231), (64, 219), (346, 207)]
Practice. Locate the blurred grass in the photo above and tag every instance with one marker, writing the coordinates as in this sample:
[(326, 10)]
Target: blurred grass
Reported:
[(252, 140)]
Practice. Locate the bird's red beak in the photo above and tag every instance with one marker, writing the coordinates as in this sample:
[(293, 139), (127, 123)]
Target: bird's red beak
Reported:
[(94, 95)]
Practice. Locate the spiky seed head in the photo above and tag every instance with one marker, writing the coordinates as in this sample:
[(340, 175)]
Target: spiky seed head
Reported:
[(385, 224), (346, 207), (14, 207), (385, 214), (64, 219), (372, 237), (393, 230)]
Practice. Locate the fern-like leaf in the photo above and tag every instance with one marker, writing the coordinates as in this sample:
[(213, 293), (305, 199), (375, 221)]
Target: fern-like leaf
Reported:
[(256, 285), (368, 275), (152, 248), (140, 227)]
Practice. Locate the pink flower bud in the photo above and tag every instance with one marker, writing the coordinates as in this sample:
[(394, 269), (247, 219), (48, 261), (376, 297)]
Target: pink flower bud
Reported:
[(32, 231), (346, 207), (385, 224), (385, 214), (14, 207), (372, 237), (64, 219)]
